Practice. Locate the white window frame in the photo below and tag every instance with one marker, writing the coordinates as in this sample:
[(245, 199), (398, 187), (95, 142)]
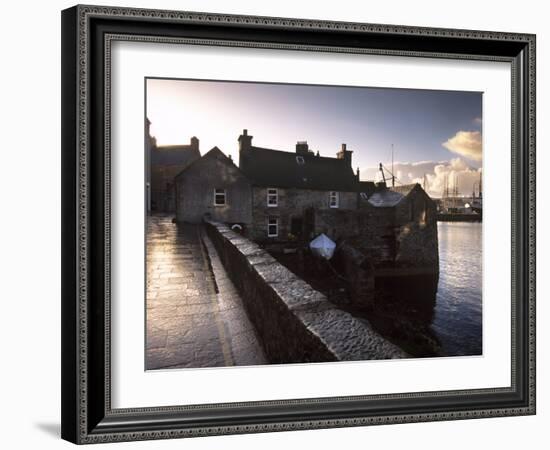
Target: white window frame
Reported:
[(334, 199), (276, 224), (216, 193), (272, 193)]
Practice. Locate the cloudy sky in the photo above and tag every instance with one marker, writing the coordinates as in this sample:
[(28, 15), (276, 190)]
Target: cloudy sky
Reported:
[(433, 133)]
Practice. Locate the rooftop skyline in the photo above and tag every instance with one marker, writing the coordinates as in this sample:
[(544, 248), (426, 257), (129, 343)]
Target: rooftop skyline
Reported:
[(433, 132)]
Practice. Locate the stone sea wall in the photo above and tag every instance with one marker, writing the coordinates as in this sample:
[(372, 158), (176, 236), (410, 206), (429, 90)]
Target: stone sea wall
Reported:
[(358, 271), (295, 323)]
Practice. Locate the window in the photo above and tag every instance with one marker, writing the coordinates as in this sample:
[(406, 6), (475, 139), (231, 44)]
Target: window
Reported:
[(333, 199), (272, 197), (219, 197), (272, 227), (364, 196), (300, 160)]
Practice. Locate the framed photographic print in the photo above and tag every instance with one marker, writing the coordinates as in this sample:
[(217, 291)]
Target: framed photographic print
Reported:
[(281, 224)]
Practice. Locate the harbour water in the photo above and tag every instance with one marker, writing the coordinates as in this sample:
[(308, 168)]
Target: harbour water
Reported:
[(457, 320)]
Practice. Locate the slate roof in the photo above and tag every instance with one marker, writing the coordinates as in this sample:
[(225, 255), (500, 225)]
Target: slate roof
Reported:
[(214, 152), (404, 189), (390, 197), (267, 167), (385, 198), (174, 155)]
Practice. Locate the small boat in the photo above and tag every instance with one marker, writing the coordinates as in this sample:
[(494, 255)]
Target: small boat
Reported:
[(322, 246)]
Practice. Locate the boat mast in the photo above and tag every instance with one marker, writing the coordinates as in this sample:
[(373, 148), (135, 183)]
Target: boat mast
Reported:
[(392, 172)]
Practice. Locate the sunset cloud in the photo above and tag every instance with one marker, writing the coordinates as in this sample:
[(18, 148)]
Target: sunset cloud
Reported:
[(465, 143), (437, 172)]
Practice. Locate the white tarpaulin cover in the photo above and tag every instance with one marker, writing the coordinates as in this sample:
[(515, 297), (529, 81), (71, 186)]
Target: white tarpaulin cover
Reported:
[(322, 246)]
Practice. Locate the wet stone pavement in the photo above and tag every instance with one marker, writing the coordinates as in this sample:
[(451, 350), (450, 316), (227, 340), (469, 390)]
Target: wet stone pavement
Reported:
[(194, 314)]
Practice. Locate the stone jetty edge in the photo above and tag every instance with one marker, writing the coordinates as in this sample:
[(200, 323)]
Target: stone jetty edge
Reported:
[(296, 323)]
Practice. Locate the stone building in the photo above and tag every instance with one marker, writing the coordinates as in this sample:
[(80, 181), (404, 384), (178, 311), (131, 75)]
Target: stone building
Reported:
[(402, 226), (285, 199), (289, 187), (276, 196), (150, 143), (163, 164), (214, 187), (395, 236)]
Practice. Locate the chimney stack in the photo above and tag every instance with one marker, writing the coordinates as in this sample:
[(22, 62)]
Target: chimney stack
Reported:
[(302, 148), (245, 141), (345, 154), (195, 142)]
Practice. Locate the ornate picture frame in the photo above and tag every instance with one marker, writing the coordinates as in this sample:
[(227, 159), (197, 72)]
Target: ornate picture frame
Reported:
[(88, 33)]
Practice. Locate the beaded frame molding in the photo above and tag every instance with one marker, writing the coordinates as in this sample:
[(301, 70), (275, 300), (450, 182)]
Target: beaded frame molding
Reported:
[(87, 35)]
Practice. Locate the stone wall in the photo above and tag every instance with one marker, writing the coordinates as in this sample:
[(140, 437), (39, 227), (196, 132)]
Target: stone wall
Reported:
[(377, 234), (416, 232), (401, 236), (336, 223), (296, 323), (164, 164), (162, 187), (370, 229), (358, 271), (293, 204), (195, 191)]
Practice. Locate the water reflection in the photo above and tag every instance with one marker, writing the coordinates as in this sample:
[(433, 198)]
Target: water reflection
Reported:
[(404, 312), (458, 311), (436, 315)]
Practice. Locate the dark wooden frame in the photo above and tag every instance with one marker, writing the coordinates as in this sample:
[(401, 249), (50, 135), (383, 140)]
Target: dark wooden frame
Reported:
[(87, 31)]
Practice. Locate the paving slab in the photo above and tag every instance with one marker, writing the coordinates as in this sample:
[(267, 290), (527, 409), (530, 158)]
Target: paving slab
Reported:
[(194, 314)]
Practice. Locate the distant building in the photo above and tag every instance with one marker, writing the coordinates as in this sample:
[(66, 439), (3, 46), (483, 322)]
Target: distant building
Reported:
[(214, 187), (150, 142), (163, 164)]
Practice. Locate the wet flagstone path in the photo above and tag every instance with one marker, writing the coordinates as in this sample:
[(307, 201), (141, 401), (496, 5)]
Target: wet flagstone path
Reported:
[(194, 314)]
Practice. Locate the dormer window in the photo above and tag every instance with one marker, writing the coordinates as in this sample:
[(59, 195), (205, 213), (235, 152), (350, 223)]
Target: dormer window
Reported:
[(272, 197), (333, 200), (300, 160)]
